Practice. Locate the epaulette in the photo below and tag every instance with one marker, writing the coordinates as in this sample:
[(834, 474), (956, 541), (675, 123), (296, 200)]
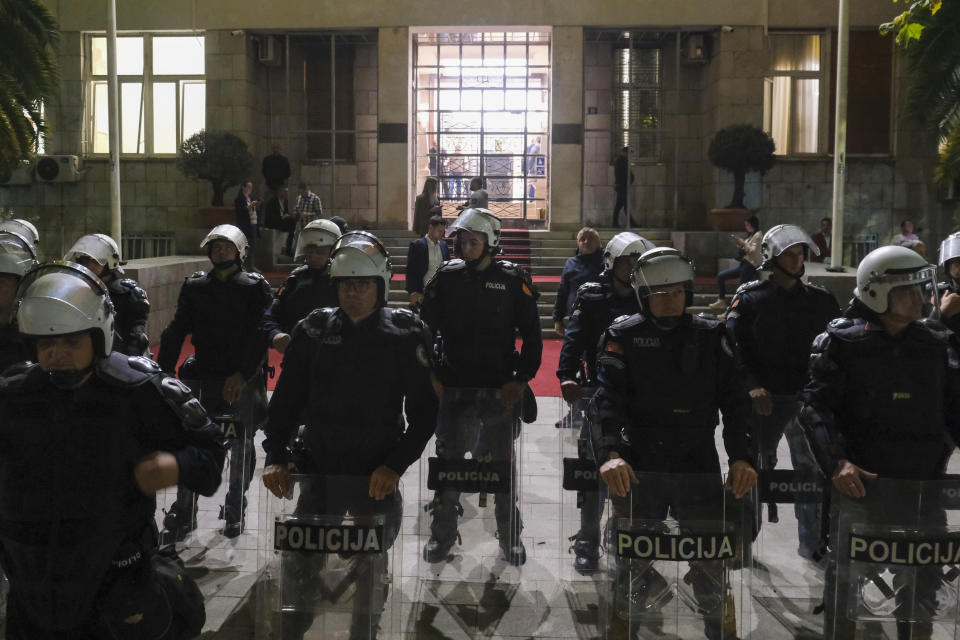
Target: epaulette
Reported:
[(249, 277), (593, 292), (400, 321), (624, 323), (848, 329), (750, 286), (704, 321), (819, 288), (299, 270), (181, 401), (197, 275), (125, 371), (452, 265), (510, 268), (320, 322)]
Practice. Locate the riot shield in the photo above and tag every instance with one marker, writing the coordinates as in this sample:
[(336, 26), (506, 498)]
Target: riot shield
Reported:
[(676, 563), (327, 553), (473, 552), (583, 495), (211, 530), (896, 561)]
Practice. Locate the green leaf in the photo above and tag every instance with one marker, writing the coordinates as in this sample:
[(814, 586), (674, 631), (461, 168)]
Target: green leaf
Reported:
[(935, 7), (914, 30)]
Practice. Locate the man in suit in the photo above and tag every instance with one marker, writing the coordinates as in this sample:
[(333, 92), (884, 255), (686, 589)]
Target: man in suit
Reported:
[(245, 208), (424, 257), (278, 216)]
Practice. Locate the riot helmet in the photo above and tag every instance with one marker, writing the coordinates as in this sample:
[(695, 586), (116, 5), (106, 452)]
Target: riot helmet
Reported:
[(16, 255), (98, 247), (477, 221), (319, 233), (625, 243), (659, 267), (780, 238), (887, 268), (24, 229), (949, 249), (360, 254), (60, 298), (232, 235)]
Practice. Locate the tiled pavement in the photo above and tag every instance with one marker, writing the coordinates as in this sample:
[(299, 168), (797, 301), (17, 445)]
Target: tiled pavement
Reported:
[(544, 600)]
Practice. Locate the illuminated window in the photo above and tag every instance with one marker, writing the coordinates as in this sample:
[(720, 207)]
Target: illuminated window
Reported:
[(638, 85), (162, 99), (791, 97)]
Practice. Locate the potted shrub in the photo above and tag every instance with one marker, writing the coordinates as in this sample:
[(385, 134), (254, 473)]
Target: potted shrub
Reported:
[(222, 159), (739, 149)]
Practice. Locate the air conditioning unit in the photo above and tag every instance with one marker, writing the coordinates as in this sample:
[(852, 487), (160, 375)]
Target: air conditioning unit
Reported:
[(57, 169), (19, 175), (269, 51)]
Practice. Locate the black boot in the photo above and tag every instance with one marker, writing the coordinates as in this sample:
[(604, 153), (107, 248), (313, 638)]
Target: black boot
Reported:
[(178, 523), (513, 550), (235, 522), (443, 530), (586, 554)]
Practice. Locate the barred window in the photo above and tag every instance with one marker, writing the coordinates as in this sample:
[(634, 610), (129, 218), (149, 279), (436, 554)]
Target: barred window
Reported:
[(638, 103)]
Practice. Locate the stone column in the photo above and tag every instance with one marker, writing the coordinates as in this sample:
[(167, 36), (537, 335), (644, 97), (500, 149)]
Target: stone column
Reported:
[(566, 148), (393, 114)]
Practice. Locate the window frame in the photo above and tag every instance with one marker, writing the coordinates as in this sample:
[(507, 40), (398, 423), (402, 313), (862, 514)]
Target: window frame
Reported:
[(627, 136), (147, 80), (822, 75)]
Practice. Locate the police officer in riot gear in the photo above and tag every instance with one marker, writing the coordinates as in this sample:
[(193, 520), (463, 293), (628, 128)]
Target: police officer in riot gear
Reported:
[(26, 230), (223, 310), (597, 305), (773, 322), (309, 286), (351, 373), (89, 437), (663, 375), (478, 304), (16, 258), (100, 254), (882, 397), (949, 287)]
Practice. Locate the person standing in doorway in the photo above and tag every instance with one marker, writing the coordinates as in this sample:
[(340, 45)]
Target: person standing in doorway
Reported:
[(621, 171)]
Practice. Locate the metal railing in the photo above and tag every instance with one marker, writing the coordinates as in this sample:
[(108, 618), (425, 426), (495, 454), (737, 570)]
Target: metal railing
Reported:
[(861, 245), (148, 245)]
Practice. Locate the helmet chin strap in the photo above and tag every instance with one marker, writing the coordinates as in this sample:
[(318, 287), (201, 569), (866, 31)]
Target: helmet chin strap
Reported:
[(224, 264), (795, 276), (67, 379)]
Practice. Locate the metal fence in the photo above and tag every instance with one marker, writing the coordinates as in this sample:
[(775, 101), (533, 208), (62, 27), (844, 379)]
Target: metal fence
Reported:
[(861, 245), (148, 245)]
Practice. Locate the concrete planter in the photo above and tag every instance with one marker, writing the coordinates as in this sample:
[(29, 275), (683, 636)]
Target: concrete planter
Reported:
[(728, 219)]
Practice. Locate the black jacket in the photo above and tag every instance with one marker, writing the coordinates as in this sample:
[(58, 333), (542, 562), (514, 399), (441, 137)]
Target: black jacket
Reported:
[(660, 391), (773, 329), (273, 216), (275, 169), (478, 315), (597, 306), (224, 318), (578, 270), (68, 497), (885, 403), (418, 261), (131, 312), (243, 216), (352, 385), (303, 291), (13, 349)]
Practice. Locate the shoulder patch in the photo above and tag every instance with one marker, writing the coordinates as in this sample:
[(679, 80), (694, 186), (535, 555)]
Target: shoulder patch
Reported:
[(117, 370), (145, 365), (180, 399), (452, 265), (705, 321), (624, 323)]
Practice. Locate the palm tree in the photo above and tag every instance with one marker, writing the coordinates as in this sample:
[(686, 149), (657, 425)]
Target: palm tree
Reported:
[(928, 33), (29, 75)]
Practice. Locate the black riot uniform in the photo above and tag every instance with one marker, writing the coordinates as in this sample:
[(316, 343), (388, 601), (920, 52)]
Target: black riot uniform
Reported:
[(659, 393), (131, 310), (773, 328), (224, 319), (887, 404), (12, 347), (78, 537), (478, 314), (303, 291), (596, 307), (352, 385)]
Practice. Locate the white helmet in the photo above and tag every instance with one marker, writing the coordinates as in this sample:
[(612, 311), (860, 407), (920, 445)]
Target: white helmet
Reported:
[(887, 268), (478, 221), (16, 255), (319, 233), (99, 247), (60, 298), (24, 229), (231, 234), (625, 243), (782, 237), (360, 254), (662, 266), (949, 248)]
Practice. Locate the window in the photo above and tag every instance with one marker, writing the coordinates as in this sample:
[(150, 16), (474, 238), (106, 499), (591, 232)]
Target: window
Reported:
[(869, 92), (162, 93), (330, 118), (791, 97), (638, 78), (481, 102)]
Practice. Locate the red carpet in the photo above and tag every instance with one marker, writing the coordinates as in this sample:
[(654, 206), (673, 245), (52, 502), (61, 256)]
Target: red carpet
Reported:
[(545, 384)]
